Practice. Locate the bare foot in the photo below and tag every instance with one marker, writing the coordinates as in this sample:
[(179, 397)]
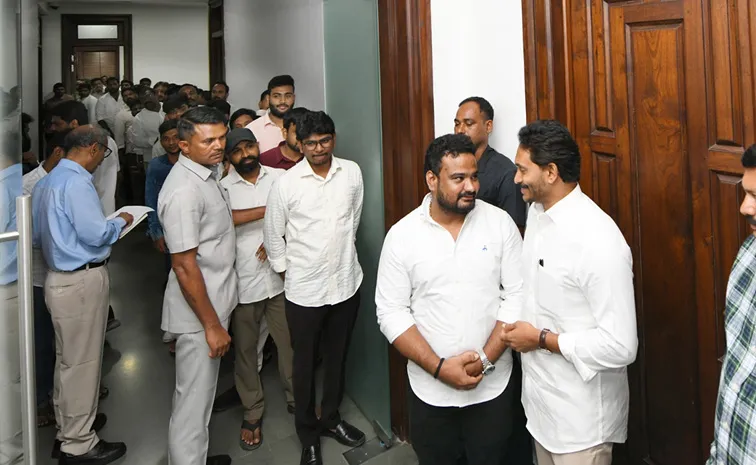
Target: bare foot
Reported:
[(251, 438)]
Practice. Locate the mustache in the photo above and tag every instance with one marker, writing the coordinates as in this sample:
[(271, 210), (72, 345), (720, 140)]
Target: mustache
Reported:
[(472, 194), (751, 220)]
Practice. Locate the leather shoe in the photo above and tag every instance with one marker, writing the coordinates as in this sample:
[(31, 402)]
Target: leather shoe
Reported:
[(104, 452), (227, 400), (346, 434), (311, 456), (97, 425), (219, 460)]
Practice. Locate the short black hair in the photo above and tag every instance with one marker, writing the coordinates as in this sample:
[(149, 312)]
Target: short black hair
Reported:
[(240, 112), (280, 81), (189, 85), (85, 137), (452, 145), (293, 116), (222, 83), (198, 115), (71, 110), (92, 81), (314, 122), (111, 79), (130, 89), (161, 84), (145, 79), (58, 139), (84, 85), (127, 80), (483, 104), (265, 93), (221, 105), (548, 141), (174, 103), (749, 157), (167, 125), (58, 84)]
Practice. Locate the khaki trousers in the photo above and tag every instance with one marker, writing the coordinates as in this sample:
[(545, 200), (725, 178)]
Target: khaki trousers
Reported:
[(11, 435), (78, 303), (247, 320), (598, 455)]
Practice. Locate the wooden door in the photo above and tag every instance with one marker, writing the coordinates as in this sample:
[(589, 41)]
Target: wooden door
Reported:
[(659, 95), (93, 62)]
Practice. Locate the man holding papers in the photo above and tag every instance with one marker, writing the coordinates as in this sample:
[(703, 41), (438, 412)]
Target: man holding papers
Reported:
[(76, 239)]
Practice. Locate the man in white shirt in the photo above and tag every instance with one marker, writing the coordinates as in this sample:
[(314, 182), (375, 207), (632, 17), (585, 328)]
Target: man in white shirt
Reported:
[(146, 126), (109, 104), (310, 227), (448, 279), (202, 287), (90, 101), (260, 288), (577, 332), (124, 119)]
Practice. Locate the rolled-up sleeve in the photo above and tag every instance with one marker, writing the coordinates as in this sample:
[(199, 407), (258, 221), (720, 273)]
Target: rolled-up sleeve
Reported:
[(511, 277), (274, 228), (393, 291), (179, 212), (606, 278)]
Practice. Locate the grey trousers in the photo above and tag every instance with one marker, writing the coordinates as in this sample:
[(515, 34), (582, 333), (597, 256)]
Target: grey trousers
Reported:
[(78, 303), (196, 380), (11, 437)]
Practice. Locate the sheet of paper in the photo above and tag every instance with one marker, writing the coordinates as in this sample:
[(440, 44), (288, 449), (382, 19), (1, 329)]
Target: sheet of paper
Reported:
[(139, 212)]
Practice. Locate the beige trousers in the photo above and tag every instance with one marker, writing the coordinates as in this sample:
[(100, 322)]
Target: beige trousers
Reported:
[(247, 320), (11, 436), (598, 455), (78, 303)]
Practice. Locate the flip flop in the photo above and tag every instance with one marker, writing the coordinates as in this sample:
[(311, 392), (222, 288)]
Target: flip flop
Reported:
[(251, 427)]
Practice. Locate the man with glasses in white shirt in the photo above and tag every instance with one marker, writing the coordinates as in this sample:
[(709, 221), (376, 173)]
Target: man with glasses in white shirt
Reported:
[(311, 222), (449, 277), (578, 331)]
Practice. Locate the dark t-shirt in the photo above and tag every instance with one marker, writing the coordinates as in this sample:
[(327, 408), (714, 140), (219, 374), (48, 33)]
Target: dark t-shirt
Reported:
[(274, 158), (497, 187)]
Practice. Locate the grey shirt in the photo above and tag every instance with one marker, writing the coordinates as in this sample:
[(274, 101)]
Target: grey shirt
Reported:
[(194, 211)]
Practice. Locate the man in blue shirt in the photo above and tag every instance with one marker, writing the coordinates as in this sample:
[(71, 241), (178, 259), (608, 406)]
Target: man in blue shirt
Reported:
[(76, 240), (156, 173)]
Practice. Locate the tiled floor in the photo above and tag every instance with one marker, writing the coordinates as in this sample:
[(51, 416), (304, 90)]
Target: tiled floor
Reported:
[(140, 375)]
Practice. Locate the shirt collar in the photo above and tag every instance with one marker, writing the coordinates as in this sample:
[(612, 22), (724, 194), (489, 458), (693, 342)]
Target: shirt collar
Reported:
[(12, 170), (200, 170), (307, 169), (266, 119), (425, 210), (234, 176), (75, 167), (561, 210)]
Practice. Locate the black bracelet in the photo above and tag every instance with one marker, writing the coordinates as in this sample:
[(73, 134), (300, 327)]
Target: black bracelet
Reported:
[(438, 368)]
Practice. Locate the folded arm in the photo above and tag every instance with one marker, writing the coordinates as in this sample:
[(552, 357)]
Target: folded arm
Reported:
[(274, 228)]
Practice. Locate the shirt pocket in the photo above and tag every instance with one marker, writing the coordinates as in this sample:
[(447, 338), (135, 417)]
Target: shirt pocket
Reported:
[(549, 294)]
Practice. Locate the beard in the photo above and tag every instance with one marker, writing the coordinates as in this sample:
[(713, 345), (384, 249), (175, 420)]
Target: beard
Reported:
[(247, 165), (277, 113), (293, 147), (751, 220), (455, 207)]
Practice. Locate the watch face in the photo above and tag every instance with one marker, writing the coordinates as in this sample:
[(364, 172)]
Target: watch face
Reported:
[(490, 368)]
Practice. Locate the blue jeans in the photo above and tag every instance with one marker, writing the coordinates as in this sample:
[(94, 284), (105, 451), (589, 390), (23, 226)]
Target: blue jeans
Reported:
[(44, 347)]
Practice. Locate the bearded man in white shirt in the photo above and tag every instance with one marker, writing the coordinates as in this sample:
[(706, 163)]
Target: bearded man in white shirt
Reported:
[(578, 328), (310, 229), (448, 279)]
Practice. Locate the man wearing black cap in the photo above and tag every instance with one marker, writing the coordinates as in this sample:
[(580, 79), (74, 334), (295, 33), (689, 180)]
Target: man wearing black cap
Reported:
[(260, 288)]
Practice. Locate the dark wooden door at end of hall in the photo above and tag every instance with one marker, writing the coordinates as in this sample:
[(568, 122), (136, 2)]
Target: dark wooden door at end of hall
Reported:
[(660, 97)]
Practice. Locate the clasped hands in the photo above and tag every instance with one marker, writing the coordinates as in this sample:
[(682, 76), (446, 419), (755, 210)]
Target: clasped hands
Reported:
[(520, 336)]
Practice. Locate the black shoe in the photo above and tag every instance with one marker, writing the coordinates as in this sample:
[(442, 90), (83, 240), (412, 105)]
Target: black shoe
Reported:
[(97, 425), (104, 452), (346, 434), (290, 408), (227, 400), (219, 460), (113, 324), (311, 456)]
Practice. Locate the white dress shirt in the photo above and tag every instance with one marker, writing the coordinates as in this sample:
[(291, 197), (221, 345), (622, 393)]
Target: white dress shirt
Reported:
[(157, 150), (39, 267), (145, 129), (310, 231), (257, 280), (124, 120), (194, 212), (107, 109), (578, 276), (91, 103), (453, 291), (106, 178)]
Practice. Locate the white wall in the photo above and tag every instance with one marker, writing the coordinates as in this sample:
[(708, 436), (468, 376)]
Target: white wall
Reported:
[(478, 51), (265, 38), (170, 43), (30, 66)]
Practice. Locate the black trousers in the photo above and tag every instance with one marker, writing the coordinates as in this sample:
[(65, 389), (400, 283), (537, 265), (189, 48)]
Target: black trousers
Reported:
[(473, 435), (330, 329), (44, 347), (520, 448)]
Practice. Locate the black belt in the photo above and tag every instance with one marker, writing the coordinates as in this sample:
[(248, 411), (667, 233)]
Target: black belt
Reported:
[(89, 266)]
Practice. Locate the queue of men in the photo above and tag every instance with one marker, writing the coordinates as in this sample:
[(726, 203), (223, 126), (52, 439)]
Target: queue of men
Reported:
[(514, 346)]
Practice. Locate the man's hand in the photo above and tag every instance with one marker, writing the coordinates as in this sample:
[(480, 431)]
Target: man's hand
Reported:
[(474, 368), (159, 244), (521, 336), (454, 371), (127, 217), (282, 275), (261, 254), (218, 340)]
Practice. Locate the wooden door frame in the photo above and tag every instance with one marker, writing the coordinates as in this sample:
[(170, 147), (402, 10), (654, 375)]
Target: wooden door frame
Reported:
[(69, 40), (216, 27), (408, 127)]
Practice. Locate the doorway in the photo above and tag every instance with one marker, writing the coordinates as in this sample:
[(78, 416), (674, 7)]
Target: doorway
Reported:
[(95, 46)]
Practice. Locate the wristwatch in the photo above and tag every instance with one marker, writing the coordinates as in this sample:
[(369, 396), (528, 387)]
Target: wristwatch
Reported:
[(488, 367)]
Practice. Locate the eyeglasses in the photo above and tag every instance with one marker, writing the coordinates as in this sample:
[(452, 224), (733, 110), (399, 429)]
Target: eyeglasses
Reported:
[(106, 149), (313, 144)]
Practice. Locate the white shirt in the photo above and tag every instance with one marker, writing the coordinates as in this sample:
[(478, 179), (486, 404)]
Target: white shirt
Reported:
[(107, 109), (194, 212), (124, 120), (157, 150), (39, 267), (453, 291), (257, 280), (310, 231), (91, 103), (578, 276), (106, 177), (146, 131)]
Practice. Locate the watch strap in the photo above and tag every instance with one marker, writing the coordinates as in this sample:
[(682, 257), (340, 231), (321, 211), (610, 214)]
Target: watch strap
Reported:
[(542, 338)]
